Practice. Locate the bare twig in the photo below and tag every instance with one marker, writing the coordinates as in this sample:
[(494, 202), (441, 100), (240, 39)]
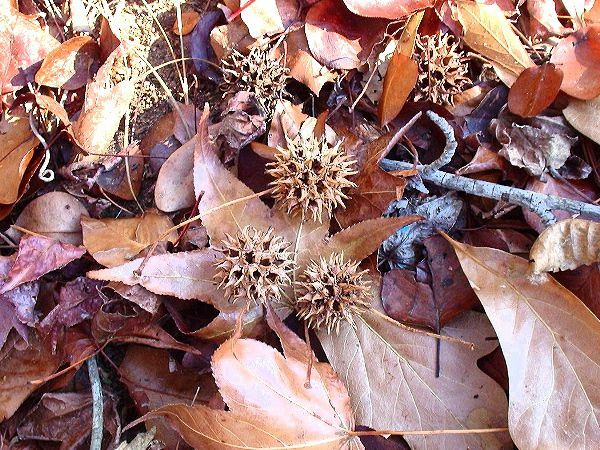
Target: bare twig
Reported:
[(97, 405), (451, 143), (428, 432)]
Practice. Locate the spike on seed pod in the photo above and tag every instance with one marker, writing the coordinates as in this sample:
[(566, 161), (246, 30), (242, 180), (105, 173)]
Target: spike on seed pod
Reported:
[(310, 176), (331, 291), (258, 72), (442, 69), (255, 265)]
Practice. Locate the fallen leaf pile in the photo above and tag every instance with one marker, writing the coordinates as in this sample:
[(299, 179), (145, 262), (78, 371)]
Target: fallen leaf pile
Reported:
[(315, 224)]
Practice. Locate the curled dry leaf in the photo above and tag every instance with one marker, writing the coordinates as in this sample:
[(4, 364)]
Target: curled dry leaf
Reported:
[(269, 404), (16, 151), (56, 215), (534, 90), (488, 32), (578, 56), (583, 115), (548, 337), (18, 367), (23, 45), (68, 65), (399, 81), (115, 241), (389, 9), (544, 12), (402, 391), (566, 245), (338, 38)]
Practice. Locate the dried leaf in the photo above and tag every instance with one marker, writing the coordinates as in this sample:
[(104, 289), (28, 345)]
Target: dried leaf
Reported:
[(566, 245), (269, 404), (18, 367), (68, 65), (584, 282), (389, 9), (175, 184), (578, 56), (399, 81), (548, 338), (338, 38), (113, 242), (262, 17), (402, 391), (583, 114), (534, 90), (189, 19), (18, 145), (544, 12), (23, 45), (122, 174), (307, 70), (56, 215), (488, 32)]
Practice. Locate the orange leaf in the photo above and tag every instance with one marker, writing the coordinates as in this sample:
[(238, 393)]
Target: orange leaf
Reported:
[(578, 55), (399, 81), (534, 90), (189, 19)]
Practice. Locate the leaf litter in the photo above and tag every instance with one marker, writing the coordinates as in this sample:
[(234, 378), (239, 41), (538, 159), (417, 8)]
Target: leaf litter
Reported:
[(322, 224)]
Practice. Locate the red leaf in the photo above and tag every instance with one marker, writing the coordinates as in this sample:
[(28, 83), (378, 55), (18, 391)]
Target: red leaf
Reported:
[(534, 90), (578, 56), (399, 81), (390, 9)]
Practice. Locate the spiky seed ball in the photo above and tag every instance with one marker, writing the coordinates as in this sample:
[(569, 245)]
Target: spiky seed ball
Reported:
[(258, 72), (442, 69), (255, 265), (331, 291), (310, 176)]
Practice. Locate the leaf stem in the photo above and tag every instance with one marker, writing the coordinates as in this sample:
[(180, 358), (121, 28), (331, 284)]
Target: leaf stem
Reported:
[(428, 432)]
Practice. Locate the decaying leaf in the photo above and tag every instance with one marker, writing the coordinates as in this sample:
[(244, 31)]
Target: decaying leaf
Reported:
[(402, 392), (488, 32), (583, 114), (175, 185), (566, 245), (399, 81), (548, 338), (269, 404)]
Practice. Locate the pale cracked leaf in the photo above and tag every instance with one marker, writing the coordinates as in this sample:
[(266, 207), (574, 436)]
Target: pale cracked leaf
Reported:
[(550, 341), (269, 406), (390, 375), (185, 275), (566, 245)]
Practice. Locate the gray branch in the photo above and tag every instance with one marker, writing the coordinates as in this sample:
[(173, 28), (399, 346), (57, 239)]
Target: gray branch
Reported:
[(97, 405), (541, 204)]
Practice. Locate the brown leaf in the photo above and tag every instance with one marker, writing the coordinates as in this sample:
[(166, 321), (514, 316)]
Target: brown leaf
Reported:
[(105, 105), (548, 338), (566, 245), (224, 325), (113, 242), (544, 12), (16, 151), (390, 9), (68, 65), (151, 381), (189, 19), (37, 256), (23, 45), (488, 32), (56, 215), (122, 174), (175, 183), (18, 367), (399, 81), (583, 114), (67, 418), (402, 391), (408, 300), (584, 282), (338, 38), (307, 70), (185, 275), (534, 90), (578, 56), (269, 404)]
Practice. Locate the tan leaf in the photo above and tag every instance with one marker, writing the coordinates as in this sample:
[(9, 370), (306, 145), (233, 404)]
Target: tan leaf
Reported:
[(18, 367), (16, 151), (262, 17), (549, 339), (189, 19), (56, 215), (175, 183), (391, 377), (113, 242), (399, 81), (488, 32), (186, 275), (566, 245), (583, 115), (269, 405)]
